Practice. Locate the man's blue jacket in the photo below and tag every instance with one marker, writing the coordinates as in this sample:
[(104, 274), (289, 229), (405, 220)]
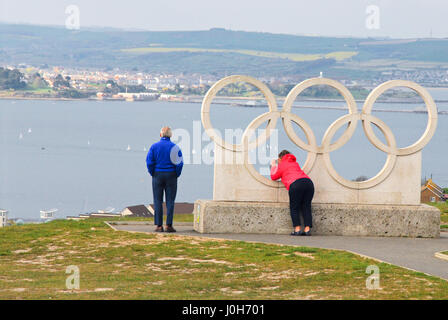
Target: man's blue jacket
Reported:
[(164, 156)]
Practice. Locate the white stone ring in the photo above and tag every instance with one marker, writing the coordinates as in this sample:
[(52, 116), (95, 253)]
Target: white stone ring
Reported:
[(326, 146), (205, 112)]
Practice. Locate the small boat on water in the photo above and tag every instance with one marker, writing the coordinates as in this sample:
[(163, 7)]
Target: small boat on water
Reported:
[(128, 148), (107, 210), (420, 110), (254, 103)]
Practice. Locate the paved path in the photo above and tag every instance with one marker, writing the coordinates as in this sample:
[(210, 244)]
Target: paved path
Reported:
[(416, 254)]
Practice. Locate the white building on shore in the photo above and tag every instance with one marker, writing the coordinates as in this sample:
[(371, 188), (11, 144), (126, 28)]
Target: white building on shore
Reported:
[(3, 218), (48, 215)]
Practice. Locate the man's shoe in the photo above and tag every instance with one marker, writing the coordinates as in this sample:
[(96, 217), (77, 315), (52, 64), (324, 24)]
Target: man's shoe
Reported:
[(170, 229), (159, 229)]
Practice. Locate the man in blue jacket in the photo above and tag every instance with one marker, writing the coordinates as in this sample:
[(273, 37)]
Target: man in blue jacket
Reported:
[(164, 162)]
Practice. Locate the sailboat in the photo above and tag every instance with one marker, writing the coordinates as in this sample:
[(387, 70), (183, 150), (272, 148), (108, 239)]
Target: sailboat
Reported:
[(107, 210), (29, 130), (128, 148)]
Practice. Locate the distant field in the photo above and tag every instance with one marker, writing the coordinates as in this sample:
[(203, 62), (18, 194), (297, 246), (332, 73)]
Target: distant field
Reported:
[(219, 51), (338, 55), (392, 64), (39, 90)]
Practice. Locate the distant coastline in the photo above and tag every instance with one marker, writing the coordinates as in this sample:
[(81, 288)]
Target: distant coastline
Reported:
[(198, 99), (247, 102)]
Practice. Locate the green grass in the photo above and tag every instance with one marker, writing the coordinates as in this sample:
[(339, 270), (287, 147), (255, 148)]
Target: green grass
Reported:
[(38, 90), (123, 265), (338, 55), (443, 207)]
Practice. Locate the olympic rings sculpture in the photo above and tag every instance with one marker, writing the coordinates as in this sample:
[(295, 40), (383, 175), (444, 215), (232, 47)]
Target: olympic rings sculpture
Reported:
[(326, 146)]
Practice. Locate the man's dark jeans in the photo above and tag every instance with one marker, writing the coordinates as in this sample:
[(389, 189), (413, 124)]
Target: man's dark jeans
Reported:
[(164, 182)]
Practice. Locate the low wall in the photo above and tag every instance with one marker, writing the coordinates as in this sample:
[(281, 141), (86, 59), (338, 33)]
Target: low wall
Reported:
[(328, 219)]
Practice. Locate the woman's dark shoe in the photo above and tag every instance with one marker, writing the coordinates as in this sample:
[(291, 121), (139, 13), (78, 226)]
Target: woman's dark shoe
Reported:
[(159, 229), (297, 233), (308, 233)]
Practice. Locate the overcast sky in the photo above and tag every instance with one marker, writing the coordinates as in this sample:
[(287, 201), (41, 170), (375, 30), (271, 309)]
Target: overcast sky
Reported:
[(396, 18)]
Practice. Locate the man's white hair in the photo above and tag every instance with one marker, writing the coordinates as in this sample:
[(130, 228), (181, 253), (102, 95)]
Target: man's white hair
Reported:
[(166, 132)]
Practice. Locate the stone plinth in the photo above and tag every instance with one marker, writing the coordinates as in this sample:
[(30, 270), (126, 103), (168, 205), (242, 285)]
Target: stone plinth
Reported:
[(328, 219)]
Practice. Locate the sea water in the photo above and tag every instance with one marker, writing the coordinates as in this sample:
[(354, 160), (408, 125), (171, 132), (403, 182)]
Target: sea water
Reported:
[(85, 156)]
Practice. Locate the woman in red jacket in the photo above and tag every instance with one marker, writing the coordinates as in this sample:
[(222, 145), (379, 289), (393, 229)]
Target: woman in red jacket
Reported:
[(300, 188)]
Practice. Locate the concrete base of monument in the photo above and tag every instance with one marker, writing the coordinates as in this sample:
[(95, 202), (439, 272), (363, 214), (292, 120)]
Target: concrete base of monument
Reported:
[(328, 219)]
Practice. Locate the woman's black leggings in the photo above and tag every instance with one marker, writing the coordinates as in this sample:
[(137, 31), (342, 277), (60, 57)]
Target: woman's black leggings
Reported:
[(301, 194)]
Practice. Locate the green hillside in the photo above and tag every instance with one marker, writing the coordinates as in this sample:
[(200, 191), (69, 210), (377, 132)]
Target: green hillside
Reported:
[(215, 51)]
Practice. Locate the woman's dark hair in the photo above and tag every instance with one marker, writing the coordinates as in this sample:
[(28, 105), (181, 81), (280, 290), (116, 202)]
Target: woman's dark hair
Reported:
[(283, 153)]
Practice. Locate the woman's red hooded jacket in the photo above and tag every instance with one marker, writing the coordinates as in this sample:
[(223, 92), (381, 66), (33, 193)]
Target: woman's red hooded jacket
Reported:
[(288, 170)]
